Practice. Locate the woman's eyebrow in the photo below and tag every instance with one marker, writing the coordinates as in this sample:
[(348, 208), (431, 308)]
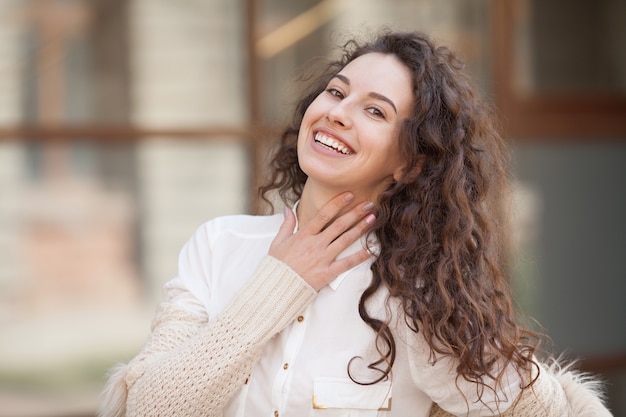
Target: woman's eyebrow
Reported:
[(372, 94), (383, 98)]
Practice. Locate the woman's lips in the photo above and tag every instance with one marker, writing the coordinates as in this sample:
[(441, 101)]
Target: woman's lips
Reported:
[(332, 143)]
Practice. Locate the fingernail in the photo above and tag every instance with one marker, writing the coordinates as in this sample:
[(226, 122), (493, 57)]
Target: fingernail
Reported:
[(348, 197), (370, 219), (368, 206)]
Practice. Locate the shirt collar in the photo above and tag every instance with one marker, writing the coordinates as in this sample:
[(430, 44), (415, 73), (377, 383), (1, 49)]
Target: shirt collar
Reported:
[(365, 242)]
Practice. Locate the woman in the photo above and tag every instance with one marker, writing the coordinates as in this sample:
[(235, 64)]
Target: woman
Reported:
[(380, 290)]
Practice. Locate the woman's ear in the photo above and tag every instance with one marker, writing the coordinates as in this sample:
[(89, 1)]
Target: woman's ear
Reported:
[(412, 173), (398, 173)]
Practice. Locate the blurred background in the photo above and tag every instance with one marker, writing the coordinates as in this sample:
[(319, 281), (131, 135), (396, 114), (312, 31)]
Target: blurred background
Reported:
[(125, 124)]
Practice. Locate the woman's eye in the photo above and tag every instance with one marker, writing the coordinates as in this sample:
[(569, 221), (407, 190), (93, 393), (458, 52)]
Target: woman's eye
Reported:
[(376, 112), (334, 92)]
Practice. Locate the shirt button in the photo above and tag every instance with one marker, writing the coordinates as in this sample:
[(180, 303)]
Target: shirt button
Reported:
[(285, 366), (300, 319)]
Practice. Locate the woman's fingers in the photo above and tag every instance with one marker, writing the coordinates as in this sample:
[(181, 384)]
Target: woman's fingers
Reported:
[(344, 237), (350, 221), (287, 227), (349, 262), (328, 212), (312, 251)]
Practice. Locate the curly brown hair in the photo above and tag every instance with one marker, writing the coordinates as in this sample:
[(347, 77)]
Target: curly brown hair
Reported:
[(441, 225)]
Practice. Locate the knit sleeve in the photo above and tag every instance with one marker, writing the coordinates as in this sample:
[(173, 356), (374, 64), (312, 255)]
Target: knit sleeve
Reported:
[(192, 367)]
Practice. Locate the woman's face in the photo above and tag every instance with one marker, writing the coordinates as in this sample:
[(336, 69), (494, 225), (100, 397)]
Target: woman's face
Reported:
[(348, 139)]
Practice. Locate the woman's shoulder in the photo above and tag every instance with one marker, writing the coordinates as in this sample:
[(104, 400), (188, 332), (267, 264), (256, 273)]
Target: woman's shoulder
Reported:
[(244, 225)]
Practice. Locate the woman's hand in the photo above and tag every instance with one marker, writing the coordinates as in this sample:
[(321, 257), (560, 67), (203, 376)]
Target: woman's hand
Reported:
[(313, 249)]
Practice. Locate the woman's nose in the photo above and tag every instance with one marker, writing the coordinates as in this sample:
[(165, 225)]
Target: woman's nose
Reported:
[(340, 114)]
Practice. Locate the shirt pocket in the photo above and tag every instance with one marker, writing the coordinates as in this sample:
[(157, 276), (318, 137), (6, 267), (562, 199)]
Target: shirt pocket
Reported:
[(341, 397)]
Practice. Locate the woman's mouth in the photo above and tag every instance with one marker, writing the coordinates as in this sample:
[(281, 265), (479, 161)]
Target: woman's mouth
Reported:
[(331, 143)]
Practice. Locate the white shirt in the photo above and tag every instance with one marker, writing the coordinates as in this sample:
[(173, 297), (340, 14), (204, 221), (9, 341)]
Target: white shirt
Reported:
[(303, 370)]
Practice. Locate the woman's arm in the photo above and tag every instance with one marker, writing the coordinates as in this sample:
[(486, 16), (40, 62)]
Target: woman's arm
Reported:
[(192, 364), (558, 392), (189, 365)]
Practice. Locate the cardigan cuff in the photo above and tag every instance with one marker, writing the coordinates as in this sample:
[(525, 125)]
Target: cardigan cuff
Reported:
[(270, 301)]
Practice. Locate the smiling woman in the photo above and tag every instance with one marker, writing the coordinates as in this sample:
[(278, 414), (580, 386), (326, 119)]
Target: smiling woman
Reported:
[(360, 113), (383, 280)]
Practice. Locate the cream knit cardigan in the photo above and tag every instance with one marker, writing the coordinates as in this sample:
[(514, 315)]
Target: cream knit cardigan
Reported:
[(189, 367)]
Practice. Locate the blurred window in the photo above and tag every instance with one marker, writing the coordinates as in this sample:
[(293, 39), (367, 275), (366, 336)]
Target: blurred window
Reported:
[(560, 68)]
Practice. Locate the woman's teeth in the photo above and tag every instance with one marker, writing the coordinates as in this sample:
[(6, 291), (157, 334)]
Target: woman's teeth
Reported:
[(331, 143)]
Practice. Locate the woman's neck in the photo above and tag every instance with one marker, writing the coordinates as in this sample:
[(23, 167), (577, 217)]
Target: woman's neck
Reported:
[(314, 198)]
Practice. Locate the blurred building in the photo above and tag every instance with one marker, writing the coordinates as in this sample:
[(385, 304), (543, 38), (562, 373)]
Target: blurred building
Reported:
[(124, 125)]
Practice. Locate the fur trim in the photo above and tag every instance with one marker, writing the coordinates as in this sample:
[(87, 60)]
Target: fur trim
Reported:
[(584, 392), (113, 402), (436, 411)]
